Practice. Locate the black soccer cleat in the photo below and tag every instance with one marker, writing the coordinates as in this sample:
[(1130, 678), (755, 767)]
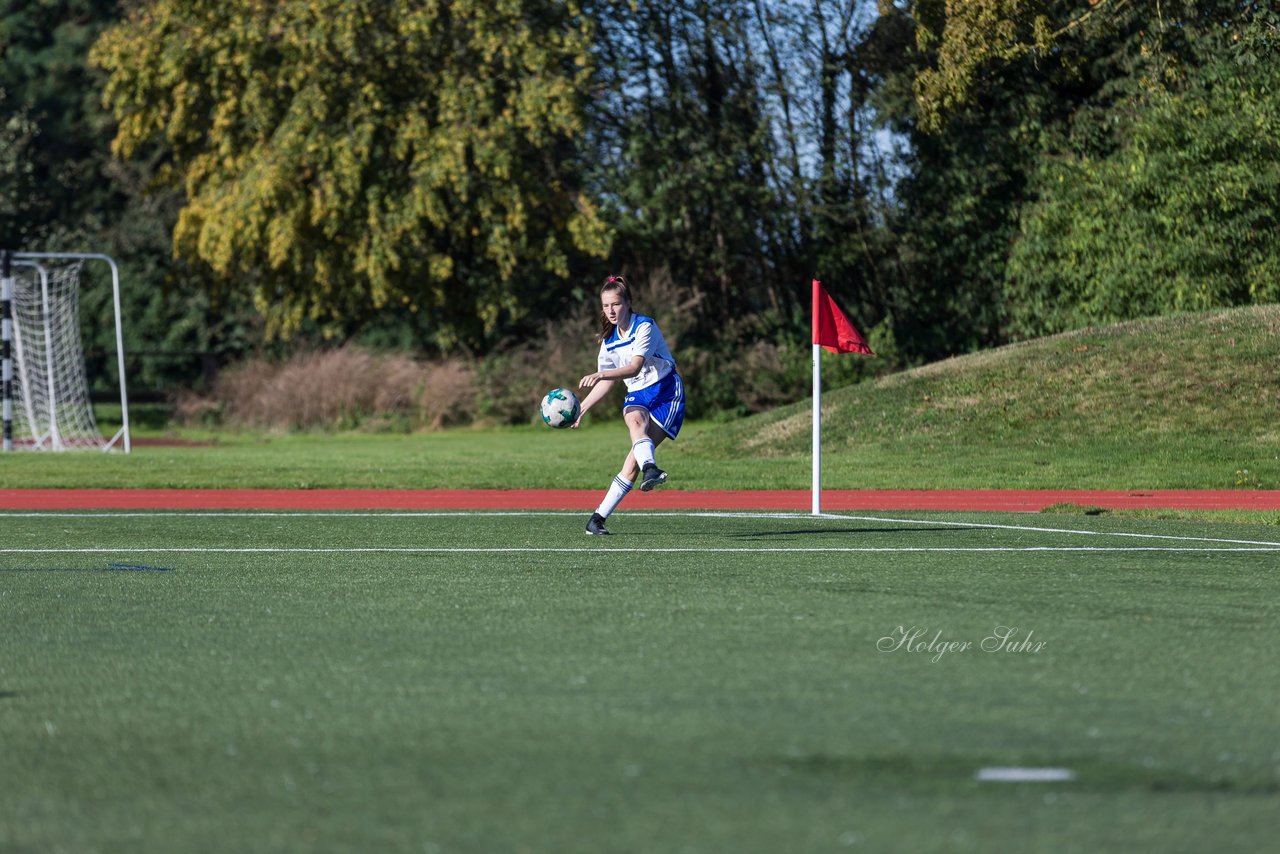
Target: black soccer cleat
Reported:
[(595, 525), (651, 477)]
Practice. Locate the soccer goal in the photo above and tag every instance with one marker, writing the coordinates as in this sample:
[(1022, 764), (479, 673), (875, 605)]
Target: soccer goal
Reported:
[(46, 390)]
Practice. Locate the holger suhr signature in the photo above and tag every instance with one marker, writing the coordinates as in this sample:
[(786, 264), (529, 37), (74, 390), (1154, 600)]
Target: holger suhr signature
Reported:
[(919, 640)]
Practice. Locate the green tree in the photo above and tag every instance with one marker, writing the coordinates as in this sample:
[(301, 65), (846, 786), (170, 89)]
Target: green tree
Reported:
[(969, 41), (53, 156), (17, 172), (956, 204), (1183, 216), (60, 190), (682, 150), (1000, 88), (735, 147), (342, 158)]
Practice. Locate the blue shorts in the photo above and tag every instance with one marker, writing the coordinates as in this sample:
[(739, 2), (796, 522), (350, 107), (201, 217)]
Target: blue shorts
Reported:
[(664, 400)]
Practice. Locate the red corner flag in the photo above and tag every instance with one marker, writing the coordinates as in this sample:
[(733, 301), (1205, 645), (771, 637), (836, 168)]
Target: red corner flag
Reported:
[(832, 331), (831, 328)]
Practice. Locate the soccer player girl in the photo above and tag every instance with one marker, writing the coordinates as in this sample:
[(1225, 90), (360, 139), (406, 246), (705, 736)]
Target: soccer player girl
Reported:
[(633, 351)]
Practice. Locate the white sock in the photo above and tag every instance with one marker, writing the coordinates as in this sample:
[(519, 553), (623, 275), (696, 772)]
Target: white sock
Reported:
[(642, 450), (617, 491)]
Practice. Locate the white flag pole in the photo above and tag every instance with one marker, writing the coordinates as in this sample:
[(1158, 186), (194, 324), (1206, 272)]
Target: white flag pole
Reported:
[(817, 429)]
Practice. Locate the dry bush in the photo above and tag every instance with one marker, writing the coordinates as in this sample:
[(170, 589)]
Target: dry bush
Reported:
[(762, 362), (340, 388), (397, 382), (514, 380), (243, 392), (674, 306), (351, 386), (191, 409), (448, 395)]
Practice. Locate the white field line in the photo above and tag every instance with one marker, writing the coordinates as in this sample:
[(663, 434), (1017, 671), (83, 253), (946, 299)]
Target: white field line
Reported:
[(1018, 774), (636, 550), (797, 517), (1032, 529), (305, 514)]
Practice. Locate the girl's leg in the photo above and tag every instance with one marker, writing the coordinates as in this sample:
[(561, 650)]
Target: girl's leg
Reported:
[(623, 481), (642, 444), (646, 435)]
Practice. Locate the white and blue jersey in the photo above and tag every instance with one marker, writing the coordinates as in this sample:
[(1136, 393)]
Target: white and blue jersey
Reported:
[(644, 339), (657, 387)]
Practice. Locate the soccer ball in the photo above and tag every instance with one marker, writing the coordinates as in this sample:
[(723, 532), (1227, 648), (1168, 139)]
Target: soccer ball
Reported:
[(560, 408)]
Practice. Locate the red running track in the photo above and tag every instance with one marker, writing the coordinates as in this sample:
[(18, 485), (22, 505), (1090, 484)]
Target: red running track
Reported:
[(1026, 500)]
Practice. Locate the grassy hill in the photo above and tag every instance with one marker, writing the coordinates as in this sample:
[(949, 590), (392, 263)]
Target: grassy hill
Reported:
[(1187, 401)]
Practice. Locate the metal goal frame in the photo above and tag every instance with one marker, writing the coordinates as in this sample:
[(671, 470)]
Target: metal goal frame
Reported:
[(34, 259)]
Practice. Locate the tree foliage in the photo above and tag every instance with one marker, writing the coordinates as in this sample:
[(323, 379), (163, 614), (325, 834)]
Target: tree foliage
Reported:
[(445, 175), (955, 206), (684, 150), (734, 143), (970, 40), (17, 171), (1182, 217), (345, 157), (61, 191), (52, 158), (1018, 108)]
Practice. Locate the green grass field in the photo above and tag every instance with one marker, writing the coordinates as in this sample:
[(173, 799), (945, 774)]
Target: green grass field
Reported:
[(1187, 402), (185, 682), (498, 682)]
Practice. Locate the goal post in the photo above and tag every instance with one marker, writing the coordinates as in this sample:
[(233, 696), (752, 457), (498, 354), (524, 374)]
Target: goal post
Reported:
[(46, 390), (6, 345)]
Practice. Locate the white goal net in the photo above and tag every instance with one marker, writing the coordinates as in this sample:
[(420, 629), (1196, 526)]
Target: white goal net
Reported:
[(49, 394)]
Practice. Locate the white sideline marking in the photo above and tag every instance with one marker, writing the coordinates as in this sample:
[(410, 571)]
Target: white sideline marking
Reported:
[(1025, 775), (1056, 530), (796, 517), (790, 516), (302, 514), (629, 550)]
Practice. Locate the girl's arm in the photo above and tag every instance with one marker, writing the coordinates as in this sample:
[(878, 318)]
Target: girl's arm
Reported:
[(598, 390), (602, 381), (626, 372)]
